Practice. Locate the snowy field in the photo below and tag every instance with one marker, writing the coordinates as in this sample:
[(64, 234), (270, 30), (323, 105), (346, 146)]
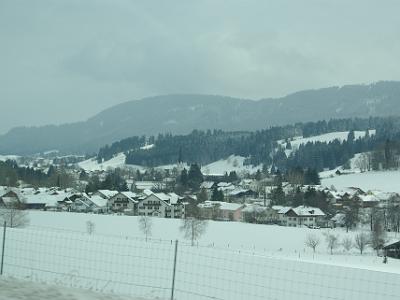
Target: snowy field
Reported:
[(116, 162), (232, 163), (14, 289), (323, 138), (388, 181), (231, 261)]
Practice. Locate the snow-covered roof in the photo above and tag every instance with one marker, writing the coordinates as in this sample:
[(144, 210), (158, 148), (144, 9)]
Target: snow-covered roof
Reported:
[(281, 209), (108, 193), (368, 198), (237, 191), (45, 198), (207, 185), (254, 208), (148, 192), (307, 211), (98, 201), (224, 184), (146, 185), (130, 195), (171, 198), (221, 205)]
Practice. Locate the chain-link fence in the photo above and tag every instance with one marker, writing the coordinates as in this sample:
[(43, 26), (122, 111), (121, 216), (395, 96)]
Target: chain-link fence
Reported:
[(165, 269)]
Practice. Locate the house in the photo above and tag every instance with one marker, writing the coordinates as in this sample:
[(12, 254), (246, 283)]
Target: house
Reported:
[(225, 188), (140, 186), (85, 203), (392, 249), (240, 194), (224, 211), (123, 202), (10, 198), (46, 200), (208, 186), (369, 200), (280, 213), (162, 205), (303, 216)]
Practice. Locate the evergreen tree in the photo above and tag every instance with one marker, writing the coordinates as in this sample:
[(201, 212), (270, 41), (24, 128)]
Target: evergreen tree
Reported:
[(183, 179), (217, 195), (195, 177)]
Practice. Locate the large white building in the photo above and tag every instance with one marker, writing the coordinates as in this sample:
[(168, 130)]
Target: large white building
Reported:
[(303, 216), (162, 205)]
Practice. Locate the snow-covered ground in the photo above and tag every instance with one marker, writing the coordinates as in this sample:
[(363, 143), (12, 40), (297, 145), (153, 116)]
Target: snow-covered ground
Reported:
[(9, 157), (328, 137), (232, 261), (279, 241), (387, 181), (15, 289), (117, 161), (232, 163)]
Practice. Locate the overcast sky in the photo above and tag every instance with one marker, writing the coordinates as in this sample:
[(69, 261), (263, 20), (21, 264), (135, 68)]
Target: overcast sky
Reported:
[(65, 60)]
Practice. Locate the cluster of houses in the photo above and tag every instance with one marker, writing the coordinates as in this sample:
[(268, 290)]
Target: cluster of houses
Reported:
[(243, 201), (146, 203)]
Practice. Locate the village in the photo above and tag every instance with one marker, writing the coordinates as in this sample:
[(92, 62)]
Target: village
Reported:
[(244, 200)]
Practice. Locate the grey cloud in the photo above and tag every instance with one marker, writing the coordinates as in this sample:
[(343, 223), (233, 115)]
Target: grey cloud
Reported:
[(59, 55)]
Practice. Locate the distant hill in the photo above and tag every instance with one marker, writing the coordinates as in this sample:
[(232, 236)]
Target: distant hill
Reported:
[(180, 114)]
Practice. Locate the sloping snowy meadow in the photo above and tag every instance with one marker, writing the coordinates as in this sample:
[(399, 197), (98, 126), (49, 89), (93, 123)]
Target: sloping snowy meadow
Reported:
[(231, 261)]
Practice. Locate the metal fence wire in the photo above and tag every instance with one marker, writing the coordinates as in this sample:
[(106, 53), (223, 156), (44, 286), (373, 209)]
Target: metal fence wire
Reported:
[(165, 269)]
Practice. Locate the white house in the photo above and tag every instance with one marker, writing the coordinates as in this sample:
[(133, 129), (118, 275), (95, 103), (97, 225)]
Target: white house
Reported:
[(303, 216), (123, 202), (85, 203), (162, 205), (223, 211)]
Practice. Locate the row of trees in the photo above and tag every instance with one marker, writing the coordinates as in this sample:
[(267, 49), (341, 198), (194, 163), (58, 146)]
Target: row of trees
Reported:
[(11, 174), (113, 181), (207, 146), (360, 241)]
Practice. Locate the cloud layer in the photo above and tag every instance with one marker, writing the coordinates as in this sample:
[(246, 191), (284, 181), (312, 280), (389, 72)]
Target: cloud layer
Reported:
[(63, 61)]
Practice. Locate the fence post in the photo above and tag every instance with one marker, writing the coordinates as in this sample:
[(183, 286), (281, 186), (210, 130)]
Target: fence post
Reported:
[(174, 271), (3, 247)]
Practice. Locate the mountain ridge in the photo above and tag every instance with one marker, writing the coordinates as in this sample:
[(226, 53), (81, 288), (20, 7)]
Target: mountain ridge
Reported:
[(181, 113)]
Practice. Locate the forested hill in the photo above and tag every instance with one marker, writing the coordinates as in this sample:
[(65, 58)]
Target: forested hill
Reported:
[(262, 147), (180, 114)]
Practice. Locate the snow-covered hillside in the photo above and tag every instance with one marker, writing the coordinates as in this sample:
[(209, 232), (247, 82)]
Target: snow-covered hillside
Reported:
[(9, 157), (328, 137), (232, 163), (117, 161), (386, 181)]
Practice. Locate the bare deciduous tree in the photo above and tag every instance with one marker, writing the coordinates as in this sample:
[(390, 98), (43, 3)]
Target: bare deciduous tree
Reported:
[(14, 216), (363, 162), (193, 229), (347, 244), (378, 234), (145, 225), (332, 241), (361, 241), (312, 241)]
